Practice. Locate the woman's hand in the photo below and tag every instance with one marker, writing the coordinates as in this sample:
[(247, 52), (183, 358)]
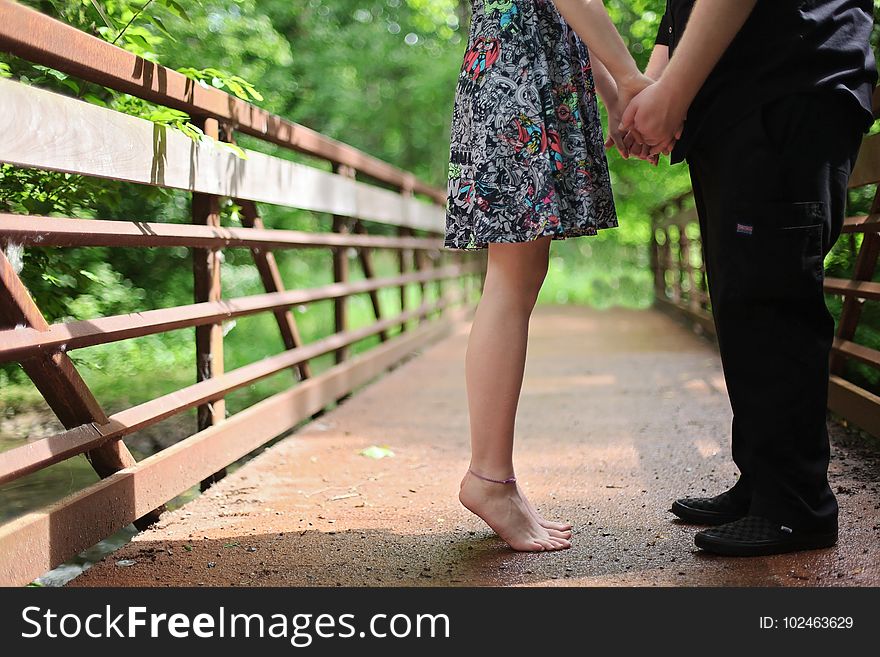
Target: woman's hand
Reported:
[(616, 136), (608, 92)]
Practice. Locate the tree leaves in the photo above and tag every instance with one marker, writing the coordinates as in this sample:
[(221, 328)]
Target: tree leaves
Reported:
[(177, 9), (161, 25), (235, 84)]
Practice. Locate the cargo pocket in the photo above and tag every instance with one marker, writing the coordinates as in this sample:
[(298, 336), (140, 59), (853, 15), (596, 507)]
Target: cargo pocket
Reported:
[(777, 251)]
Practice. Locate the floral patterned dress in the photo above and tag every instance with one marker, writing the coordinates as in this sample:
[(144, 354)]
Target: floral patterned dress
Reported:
[(527, 157)]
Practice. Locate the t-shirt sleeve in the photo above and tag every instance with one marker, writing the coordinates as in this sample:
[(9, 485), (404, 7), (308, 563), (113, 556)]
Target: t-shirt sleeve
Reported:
[(663, 32)]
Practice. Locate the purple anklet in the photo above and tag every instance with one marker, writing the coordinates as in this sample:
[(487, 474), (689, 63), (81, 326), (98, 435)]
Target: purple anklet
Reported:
[(509, 480)]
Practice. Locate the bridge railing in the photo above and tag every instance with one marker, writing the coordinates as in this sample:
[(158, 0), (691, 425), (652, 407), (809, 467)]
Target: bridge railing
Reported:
[(47, 131), (680, 285)]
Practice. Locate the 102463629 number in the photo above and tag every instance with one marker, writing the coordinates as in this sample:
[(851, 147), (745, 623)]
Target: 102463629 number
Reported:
[(808, 622)]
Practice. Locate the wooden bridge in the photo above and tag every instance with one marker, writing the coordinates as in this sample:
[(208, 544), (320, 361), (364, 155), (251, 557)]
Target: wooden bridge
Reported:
[(622, 410)]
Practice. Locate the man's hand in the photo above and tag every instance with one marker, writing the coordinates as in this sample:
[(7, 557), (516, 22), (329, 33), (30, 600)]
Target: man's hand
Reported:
[(629, 88), (654, 119)]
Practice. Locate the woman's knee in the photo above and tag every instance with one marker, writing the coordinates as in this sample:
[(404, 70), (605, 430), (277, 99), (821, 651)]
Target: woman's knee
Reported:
[(520, 269)]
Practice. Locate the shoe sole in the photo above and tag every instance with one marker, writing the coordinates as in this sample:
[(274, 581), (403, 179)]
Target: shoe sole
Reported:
[(702, 517), (728, 549)]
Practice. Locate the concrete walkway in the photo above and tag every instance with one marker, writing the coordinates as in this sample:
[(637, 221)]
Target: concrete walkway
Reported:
[(622, 411)]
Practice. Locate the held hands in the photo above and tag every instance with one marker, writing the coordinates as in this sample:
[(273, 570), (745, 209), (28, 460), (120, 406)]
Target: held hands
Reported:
[(616, 105), (651, 122), (654, 119)]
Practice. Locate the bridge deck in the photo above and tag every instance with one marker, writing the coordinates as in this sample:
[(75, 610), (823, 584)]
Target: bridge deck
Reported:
[(622, 411)]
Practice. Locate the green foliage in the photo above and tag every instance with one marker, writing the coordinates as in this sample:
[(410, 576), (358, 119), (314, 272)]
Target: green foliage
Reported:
[(638, 22), (378, 74), (142, 28), (236, 85)]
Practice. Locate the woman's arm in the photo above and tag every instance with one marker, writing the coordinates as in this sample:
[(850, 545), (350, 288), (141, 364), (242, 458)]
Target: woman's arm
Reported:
[(607, 90), (658, 62), (606, 87), (590, 20)]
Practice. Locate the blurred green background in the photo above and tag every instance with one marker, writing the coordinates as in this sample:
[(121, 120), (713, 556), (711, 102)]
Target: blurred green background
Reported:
[(377, 74)]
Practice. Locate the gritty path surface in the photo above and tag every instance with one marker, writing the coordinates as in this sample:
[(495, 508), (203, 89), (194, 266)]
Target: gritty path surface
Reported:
[(622, 411)]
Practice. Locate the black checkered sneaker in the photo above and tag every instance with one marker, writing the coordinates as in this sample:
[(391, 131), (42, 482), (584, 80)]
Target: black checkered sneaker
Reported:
[(716, 510), (755, 536)]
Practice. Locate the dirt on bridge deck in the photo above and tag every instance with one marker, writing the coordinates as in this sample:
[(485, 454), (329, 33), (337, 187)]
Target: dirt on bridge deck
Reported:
[(622, 411)]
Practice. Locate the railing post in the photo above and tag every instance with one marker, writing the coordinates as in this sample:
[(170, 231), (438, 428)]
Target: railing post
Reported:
[(675, 262), (656, 268), (369, 273), (702, 280), (666, 260), (864, 269), (403, 257), (207, 287), (437, 261), (420, 263), (684, 258), (341, 270)]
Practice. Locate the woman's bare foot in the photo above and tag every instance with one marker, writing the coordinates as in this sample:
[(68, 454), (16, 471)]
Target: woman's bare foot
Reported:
[(503, 508), (563, 527)]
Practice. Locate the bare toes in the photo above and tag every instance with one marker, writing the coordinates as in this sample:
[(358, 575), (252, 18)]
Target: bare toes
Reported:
[(549, 524), (546, 543), (559, 526), (561, 543), (558, 534)]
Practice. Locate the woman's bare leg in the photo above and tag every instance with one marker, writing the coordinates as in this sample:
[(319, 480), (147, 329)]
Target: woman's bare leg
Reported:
[(495, 365)]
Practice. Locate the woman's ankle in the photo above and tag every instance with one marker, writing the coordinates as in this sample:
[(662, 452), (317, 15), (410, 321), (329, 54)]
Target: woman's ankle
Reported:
[(493, 472), (506, 481)]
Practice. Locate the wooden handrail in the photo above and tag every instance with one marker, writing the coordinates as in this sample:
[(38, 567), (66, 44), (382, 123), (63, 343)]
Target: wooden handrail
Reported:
[(857, 352), (116, 146), (53, 231), (857, 289), (863, 224)]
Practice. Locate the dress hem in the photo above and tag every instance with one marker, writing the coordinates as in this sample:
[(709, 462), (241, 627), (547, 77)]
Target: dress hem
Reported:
[(569, 234)]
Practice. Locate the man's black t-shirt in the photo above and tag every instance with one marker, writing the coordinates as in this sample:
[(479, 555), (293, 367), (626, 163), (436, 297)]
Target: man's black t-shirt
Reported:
[(785, 47)]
